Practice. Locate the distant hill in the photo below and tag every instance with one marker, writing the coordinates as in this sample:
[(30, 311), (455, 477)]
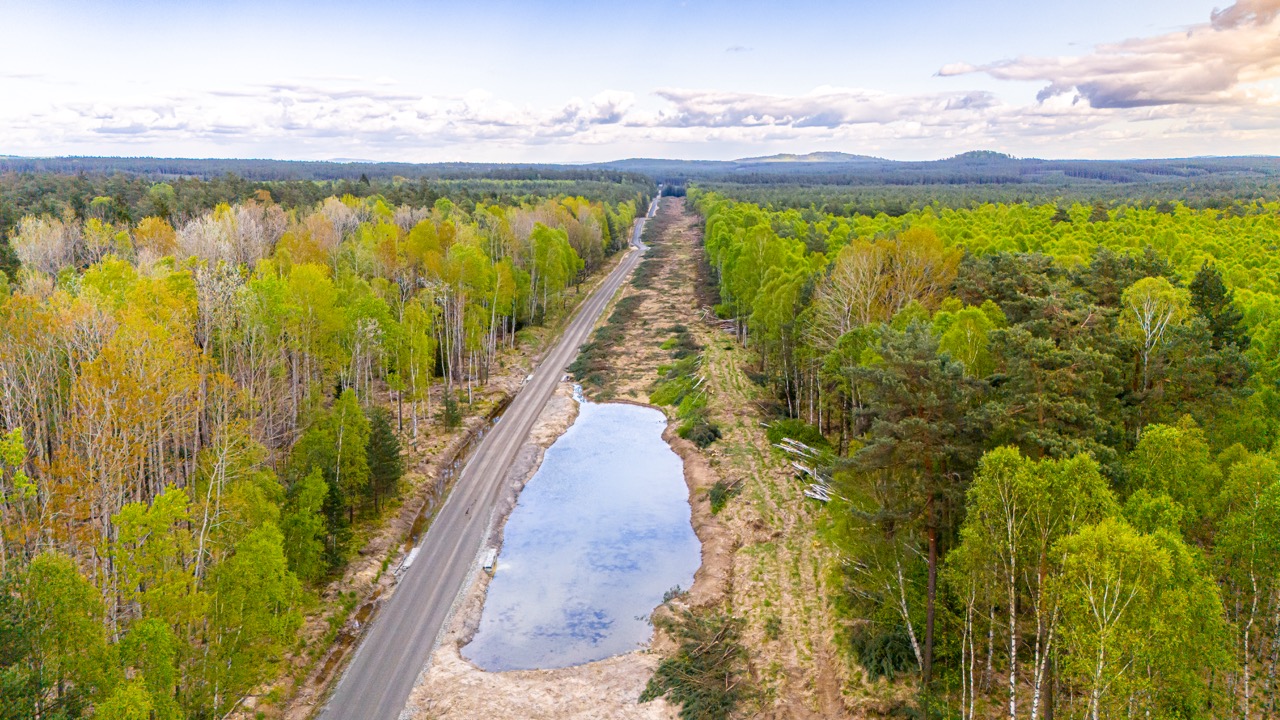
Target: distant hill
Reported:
[(813, 157)]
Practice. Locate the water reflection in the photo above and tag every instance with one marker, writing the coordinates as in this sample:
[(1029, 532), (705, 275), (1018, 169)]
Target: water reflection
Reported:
[(599, 534)]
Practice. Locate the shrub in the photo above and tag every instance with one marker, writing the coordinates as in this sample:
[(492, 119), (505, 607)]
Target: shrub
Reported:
[(700, 432), (720, 493), (450, 413), (797, 430), (705, 675)]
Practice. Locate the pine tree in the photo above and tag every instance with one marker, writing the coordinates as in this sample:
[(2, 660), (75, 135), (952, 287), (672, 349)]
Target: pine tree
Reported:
[(385, 464), (924, 438), (1215, 303)]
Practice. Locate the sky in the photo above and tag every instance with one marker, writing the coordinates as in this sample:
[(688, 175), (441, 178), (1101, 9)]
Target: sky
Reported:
[(578, 81)]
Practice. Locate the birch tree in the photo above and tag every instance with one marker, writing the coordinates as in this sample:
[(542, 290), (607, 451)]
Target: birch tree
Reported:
[(1151, 306)]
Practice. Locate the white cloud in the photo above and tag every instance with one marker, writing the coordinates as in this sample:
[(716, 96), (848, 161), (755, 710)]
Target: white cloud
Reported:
[(823, 108), (341, 119), (1246, 12), (1225, 61), (1210, 89)]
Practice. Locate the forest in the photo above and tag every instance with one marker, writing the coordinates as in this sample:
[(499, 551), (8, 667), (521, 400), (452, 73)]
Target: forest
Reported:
[(971, 171), (1044, 437), (205, 388), (136, 188)]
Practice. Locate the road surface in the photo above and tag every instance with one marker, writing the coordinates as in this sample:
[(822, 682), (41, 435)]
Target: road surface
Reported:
[(377, 682)]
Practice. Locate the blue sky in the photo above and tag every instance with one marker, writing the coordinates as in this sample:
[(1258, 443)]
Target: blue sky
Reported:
[(586, 81)]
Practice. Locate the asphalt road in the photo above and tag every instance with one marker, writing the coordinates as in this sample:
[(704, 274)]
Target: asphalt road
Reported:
[(394, 649)]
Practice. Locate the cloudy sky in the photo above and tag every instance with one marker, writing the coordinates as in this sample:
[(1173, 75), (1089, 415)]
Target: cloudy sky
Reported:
[(578, 80)]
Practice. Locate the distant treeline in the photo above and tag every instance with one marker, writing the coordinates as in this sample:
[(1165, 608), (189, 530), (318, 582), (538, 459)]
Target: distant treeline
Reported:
[(975, 168), (128, 189), (1215, 193), (263, 170)]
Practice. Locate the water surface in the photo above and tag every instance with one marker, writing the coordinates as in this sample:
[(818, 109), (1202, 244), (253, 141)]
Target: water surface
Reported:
[(597, 537)]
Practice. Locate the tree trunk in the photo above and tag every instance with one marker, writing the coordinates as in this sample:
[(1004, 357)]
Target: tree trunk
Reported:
[(1012, 599), (1247, 660), (1051, 681), (930, 600), (991, 648), (906, 615)]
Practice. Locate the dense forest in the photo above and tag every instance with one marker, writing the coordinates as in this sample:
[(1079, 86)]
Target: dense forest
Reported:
[(1041, 416), (972, 169), (1230, 195), (128, 197), (1045, 437), (158, 169), (204, 386)]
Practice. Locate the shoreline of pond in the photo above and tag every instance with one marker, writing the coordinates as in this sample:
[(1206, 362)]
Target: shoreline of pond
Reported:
[(453, 685), (600, 537)]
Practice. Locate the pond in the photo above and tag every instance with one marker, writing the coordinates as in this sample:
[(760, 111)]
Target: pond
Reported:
[(599, 535)]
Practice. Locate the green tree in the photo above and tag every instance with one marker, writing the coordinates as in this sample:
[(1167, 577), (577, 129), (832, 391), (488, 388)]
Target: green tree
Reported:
[(1247, 549), (383, 452), (22, 686), (253, 615), (1017, 509), (304, 527), (924, 437), (130, 701), (69, 657), (350, 430), (1175, 460), (1054, 397), (18, 502), (965, 336), (155, 557), (1141, 625), (1215, 303), (150, 650), (1110, 582), (336, 443), (1151, 307)]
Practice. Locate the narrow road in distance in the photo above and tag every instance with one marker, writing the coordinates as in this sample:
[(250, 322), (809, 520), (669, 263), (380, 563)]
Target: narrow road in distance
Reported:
[(394, 650)]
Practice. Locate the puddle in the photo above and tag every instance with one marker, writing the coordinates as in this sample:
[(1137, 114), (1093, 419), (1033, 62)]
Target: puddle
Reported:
[(598, 536)]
